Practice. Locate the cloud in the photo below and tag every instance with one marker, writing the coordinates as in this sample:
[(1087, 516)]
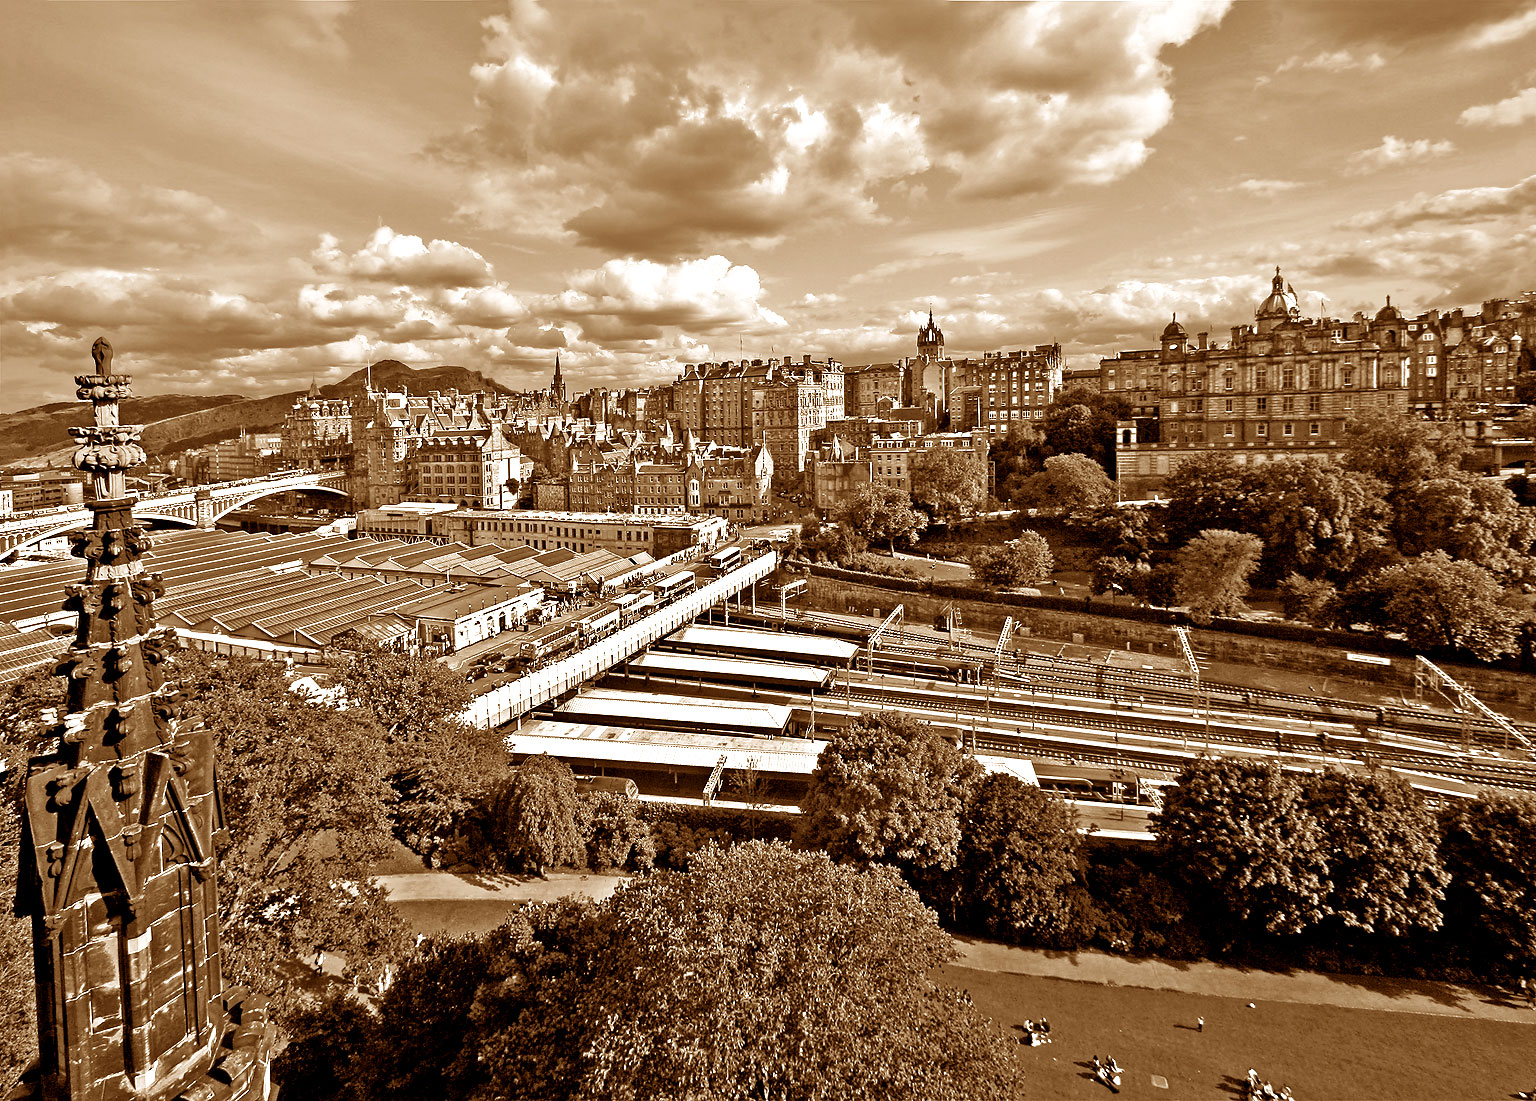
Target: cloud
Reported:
[(1394, 151), (704, 295), (1334, 61), (1462, 205), (1518, 108), (1266, 189), (671, 130), (1509, 29), (391, 257), (55, 209)]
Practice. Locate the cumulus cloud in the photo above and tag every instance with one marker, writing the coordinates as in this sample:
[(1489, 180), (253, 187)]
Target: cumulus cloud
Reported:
[(57, 209), (1394, 151), (1518, 108), (403, 258), (1334, 61), (680, 127), (1266, 188)]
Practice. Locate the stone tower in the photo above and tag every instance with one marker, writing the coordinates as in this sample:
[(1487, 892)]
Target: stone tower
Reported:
[(930, 340), (120, 823)]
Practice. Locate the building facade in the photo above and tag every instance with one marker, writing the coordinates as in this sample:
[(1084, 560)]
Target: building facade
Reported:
[(1288, 384)]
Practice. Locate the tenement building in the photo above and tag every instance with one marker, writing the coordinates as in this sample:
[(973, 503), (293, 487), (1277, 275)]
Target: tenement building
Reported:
[(1288, 384), (775, 402)]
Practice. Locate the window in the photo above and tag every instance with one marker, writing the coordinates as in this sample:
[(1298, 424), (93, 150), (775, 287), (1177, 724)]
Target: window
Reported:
[(1261, 404), (1260, 379), (1262, 429), (1315, 429), (1287, 404), (1288, 429), (1315, 403), (1227, 384), (1229, 405), (1431, 359), (1229, 430), (1288, 377), (1314, 376), (1349, 377), (1432, 372), (1199, 405)]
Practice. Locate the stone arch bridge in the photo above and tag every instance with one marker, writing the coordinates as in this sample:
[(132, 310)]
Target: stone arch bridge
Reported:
[(195, 506)]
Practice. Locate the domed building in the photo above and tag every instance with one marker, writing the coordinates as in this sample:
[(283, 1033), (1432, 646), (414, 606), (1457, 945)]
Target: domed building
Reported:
[(1280, 307)]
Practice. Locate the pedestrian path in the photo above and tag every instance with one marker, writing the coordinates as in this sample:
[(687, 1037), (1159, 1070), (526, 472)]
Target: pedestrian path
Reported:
[(1219, 980)]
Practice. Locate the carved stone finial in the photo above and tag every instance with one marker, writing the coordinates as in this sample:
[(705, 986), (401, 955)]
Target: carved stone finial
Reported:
[(101, 352)]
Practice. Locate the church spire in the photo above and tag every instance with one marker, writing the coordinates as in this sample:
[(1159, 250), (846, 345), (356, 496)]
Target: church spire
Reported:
[(557, 385)]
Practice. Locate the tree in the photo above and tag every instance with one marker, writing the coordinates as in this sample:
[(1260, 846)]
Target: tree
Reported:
[(836, 543), (1018, 849), (887, 789), (1434, 602), (759, 972), (1213, 571), (1081, 420), (1307, 600), (1014, 457), (1383, 861), (28, 709), (950, 483), (884, 513), (614, 834), (1402, 450), (1243, 838), (1470, 518), (1068, 484), (439, 766), (1316, 519), (535, 815), (306, 801), (1489, 850), (1018, 563), (1206, 490)]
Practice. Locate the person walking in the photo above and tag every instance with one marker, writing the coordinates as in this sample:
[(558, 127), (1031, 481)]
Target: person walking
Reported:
[(1199, 1024)]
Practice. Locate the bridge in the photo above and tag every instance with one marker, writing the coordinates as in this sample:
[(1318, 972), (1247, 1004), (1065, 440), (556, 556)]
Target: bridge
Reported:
[(511, 701), (194, 506)]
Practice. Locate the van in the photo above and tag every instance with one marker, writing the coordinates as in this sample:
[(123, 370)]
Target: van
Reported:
[(614, 785)]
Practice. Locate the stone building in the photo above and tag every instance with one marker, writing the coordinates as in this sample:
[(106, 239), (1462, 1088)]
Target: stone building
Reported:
[(742, 404), (120, 821), (1288, 384)]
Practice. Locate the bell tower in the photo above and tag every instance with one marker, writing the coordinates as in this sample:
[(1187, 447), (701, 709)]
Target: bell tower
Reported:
[(120, 822), (930, 340)]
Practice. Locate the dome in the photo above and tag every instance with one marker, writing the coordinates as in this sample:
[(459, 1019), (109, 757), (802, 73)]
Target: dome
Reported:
[(1388, 312), (1281, 301), (1174, 331)]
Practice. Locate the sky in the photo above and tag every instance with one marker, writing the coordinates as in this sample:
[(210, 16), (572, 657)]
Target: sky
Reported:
[(246, 196)]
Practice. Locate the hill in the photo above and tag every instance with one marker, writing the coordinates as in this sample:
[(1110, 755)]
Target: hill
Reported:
[(174, 422)]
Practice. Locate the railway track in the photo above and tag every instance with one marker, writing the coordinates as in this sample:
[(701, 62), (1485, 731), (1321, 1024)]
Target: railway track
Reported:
[(1181, 730)]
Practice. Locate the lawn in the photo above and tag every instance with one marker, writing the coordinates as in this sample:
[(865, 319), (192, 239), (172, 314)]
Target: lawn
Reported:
[(1321, 1052)]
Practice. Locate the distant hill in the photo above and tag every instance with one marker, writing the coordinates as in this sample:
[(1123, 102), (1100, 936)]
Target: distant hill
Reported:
[(174, 422)]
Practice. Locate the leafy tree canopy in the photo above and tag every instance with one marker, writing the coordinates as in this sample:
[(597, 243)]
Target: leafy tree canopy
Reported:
[(1489, 849), (1213, 570), (887, 789), (884, 514), (1435, 601), (948, 482), (1402, 450), (535, 815), (1383, 855), (1240, 833), (759, 972), (1081, 420), (1018, 851), (1018, 563), (1470, 518), (1067, 485)]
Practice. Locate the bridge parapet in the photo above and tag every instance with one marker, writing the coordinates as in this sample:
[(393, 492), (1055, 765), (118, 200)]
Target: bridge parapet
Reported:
[(516, 698)]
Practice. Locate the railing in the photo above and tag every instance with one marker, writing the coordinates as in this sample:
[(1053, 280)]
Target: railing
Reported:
[(516, 698)]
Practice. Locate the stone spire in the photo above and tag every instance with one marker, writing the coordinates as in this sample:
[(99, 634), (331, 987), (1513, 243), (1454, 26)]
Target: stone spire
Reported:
[(120, 821), (557, 385)]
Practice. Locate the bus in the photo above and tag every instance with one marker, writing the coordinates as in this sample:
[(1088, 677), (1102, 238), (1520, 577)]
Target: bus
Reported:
[(600, 621), (632, 606), (669, 589), (548, 641), (725, 559)]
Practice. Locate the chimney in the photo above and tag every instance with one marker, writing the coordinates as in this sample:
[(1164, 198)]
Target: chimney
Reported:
[(1204, 339)]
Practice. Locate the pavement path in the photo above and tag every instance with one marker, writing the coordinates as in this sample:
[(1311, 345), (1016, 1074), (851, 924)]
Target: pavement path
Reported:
[(450, 886), (1219, 980)]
